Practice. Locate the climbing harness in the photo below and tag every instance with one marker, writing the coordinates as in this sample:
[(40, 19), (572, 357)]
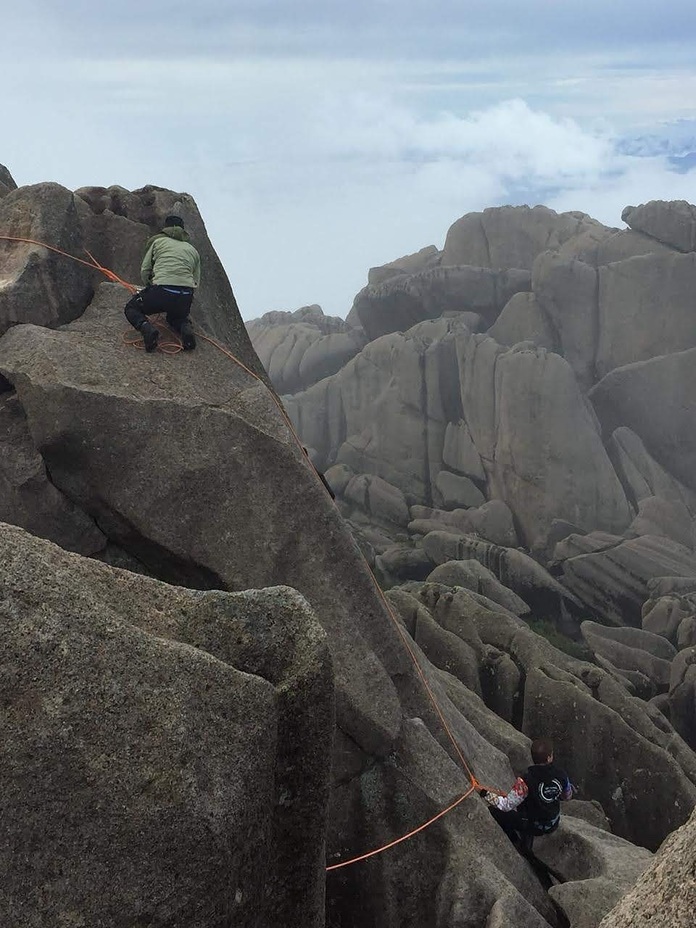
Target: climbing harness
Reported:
[(174, 347)]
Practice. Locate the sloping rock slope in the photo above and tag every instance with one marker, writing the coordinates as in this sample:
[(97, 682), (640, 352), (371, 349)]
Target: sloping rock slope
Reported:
[(665, 896), (187, 469)]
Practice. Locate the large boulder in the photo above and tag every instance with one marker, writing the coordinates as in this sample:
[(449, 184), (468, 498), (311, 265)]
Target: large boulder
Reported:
[(641, 475), (401, 302), (510, 236), (613, 580), (523, 320), (298, 349), (152, 743), (514, 569), (7, 182), (223, 449), (38, 285), (594, 868), (665, 517), (566, 291), (645, 309), (493, 522), (671, 222), (408, 264), (539, 441), (632, 649), (656, 399), (664, 897), (27, 496)]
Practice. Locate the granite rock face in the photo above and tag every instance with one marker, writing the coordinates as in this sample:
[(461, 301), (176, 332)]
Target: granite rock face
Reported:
[(665, 895), (299, 349), (148, 734), (671, 222), (7, 182)]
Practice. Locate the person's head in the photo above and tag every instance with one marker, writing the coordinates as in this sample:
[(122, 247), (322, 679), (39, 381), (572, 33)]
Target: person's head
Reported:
[(173, 221), (542, 751)]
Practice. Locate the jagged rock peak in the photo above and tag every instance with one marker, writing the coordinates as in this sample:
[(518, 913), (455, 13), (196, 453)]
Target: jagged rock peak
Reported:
[(7, 181)]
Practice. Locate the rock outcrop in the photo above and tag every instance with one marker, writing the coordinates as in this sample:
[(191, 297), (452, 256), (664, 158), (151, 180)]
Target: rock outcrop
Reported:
[(299, 349), (665, 895), (152, 742), (7, 182), (673, 223)]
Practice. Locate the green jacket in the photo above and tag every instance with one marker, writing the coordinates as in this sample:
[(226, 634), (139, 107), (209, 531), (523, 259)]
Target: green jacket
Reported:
[(171, 260)]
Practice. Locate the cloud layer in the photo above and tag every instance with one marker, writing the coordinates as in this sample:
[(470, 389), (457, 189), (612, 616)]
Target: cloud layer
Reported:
[(320, 139)]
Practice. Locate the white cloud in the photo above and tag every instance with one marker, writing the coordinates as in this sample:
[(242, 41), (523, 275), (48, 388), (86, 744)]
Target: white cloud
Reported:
[(309, 169)]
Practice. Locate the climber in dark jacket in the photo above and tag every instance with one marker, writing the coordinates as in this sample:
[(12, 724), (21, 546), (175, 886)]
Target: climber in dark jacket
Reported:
[(533, 805), (171, 270)]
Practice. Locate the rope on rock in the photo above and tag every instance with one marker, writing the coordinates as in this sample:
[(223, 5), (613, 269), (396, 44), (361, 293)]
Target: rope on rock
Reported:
[(174, 347)]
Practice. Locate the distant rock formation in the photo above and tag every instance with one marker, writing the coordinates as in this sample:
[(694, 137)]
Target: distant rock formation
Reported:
[(568, 403)]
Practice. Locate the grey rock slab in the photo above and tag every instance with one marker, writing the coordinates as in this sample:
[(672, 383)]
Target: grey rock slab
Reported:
[(566, 291), (668, 518), (151, 747), (458, 491), (38, 285), (656, 399), (614, 582), (514, 569), (380, 499), (638, 638), (474, 576), (459, 452), (7, 182), (632, 649), (663, 615), (645, 309), (538, 439), (665, 895), (27, 496), (641, 475), (672, 222), (404, 563), (597, 868), (523, 320), (401, 302), (408, 264), (510, 236)]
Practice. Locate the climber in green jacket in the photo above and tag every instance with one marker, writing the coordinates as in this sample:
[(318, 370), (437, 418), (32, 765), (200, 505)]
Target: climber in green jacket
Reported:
[(171, 270)]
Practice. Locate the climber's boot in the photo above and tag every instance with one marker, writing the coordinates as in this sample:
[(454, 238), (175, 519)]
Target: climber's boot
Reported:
[(188, 339), (150, 336)]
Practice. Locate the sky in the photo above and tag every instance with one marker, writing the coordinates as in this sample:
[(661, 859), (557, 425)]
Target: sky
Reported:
[(323, 137)]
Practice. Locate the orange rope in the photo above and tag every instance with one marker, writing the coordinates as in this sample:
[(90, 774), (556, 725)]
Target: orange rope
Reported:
[(174, 348), (94, 264), (379, 850)]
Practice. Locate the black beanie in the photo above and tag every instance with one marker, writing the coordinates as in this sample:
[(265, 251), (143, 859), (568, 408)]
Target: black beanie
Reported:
[(173, 221)]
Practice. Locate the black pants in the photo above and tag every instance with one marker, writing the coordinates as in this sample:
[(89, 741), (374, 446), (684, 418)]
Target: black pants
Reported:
[(157, 298), (519, 829)]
